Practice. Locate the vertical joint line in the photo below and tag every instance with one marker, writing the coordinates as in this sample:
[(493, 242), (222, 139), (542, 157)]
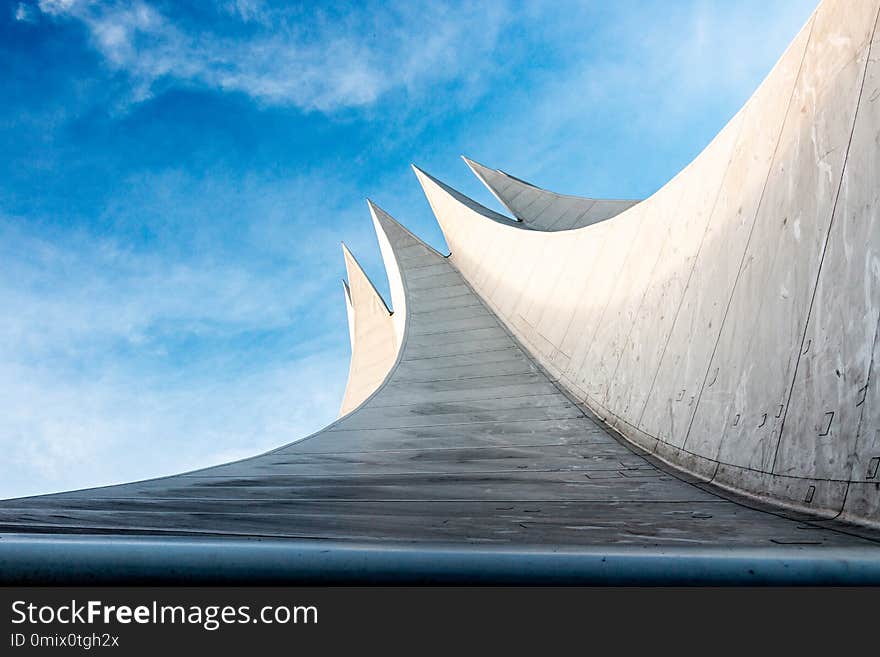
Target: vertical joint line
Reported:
[(827, 237), (751, 229)]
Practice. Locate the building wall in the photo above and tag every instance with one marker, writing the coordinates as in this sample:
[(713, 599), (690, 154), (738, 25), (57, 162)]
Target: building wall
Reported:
[(728, 323)]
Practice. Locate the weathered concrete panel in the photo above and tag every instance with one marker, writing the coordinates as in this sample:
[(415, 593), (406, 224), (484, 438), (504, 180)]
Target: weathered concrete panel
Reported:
[(835, 364), (761, 337), (728, 322)]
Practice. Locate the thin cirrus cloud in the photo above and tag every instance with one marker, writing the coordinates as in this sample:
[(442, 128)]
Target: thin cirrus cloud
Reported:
[(118, 363), (304, 57)]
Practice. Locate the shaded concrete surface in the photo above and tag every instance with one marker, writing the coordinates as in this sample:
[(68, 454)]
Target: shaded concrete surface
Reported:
[(467, 441), (543, 209), (727, 324)]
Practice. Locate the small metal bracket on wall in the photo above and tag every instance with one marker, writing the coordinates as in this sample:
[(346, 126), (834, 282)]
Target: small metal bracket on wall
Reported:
[(810, 492), (873, 466), (714, 378), (829, 418)]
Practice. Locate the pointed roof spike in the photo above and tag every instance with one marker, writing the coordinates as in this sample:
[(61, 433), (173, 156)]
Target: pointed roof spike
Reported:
[(457, 214), (372, 332), (434, 187), (483, 172), (386, 232), (486, 176), (356, 275), (439, 194), (349, 313), (541, 208), (388, 223)]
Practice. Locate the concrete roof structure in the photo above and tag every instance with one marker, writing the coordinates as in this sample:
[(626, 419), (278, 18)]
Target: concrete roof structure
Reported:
[(543, 209), (372, 333), (728, 323), (467, 439), (693, 370)]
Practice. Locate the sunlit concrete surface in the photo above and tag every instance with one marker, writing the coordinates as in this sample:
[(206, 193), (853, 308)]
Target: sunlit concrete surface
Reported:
[(693, 370), (374, 340)]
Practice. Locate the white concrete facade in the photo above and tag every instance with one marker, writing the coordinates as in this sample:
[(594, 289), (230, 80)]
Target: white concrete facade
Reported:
[(728, 323)]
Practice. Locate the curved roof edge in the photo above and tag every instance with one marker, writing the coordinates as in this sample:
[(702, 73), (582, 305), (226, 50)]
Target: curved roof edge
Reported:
[(435, 190), (374, 344), (543, 209)]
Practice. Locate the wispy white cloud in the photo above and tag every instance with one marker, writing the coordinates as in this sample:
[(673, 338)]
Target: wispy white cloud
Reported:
[(24, 13), (292, 56), (247, 10), (120, 363), (637, 96), (111, 426)]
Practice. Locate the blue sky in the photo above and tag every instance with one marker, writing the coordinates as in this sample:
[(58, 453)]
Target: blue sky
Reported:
[(176, 178)]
